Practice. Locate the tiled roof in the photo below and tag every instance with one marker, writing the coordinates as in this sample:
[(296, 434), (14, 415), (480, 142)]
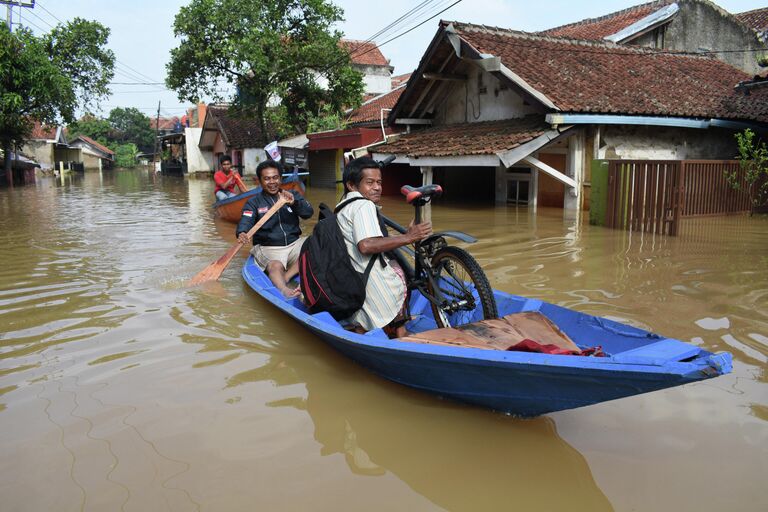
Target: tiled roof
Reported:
[(47, 132), (166, 123), (605, 78), (757, 19), (598, 28), (238, 132), (484, 138), (400, 79), (370, 111), (364, 53), (98, 146)]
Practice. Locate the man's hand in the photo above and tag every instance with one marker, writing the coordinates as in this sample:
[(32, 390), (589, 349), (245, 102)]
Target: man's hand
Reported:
[(287, 196), (418, 232), (243, 238)]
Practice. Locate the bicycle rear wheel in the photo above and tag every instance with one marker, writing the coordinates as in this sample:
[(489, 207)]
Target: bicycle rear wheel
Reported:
[(463, 286)]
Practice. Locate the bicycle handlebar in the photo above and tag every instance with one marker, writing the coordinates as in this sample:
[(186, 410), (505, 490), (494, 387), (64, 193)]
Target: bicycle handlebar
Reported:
[(424, 192)]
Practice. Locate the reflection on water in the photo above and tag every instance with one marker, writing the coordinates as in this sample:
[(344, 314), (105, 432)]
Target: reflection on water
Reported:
[(120, 388)]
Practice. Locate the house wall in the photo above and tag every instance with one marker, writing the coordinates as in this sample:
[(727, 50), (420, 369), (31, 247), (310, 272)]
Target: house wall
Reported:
[(197, 160), (701, 26), (376, 79), (551, 192), (466, 101), (251, 159), (90, 161), (656, 143), (40, 151)]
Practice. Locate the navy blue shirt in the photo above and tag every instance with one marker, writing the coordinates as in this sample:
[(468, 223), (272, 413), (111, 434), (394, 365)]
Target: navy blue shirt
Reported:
[(283, 227)]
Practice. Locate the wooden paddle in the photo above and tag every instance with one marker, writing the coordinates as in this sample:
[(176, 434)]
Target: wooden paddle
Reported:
[(213, 271), (240, 184)]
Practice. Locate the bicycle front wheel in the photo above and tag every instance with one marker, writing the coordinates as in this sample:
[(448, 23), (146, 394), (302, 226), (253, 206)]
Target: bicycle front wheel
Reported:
[(464, 292)]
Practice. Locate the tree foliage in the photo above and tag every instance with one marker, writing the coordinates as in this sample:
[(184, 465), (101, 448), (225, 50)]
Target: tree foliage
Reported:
[(91, 126), (46, 78), (273, 52), (131, 125), (125, 154), (753, 160)]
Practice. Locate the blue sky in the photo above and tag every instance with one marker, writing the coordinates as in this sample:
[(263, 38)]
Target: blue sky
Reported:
[(142, 33)]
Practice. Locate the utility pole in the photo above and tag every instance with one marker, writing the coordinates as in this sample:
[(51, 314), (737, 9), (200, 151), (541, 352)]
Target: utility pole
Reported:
[(157, 138), (29, 4)]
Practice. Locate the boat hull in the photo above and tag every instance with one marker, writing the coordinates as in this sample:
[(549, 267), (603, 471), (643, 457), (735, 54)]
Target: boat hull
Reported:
[(519, 383), (231, 208)]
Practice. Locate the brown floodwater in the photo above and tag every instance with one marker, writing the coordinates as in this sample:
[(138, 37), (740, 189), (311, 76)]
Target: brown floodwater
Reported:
[(122, 389)]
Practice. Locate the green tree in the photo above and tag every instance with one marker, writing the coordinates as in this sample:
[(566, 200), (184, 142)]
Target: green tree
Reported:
[(46, 78), (753, 160), (91, 126), (125, 154), (272, 51), (131, 125)]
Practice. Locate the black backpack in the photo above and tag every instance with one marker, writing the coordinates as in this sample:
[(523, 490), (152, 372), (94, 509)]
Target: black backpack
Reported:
[(328, 279)]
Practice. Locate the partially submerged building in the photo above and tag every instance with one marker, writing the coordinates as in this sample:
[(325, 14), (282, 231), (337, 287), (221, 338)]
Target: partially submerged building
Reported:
[(508, 116)]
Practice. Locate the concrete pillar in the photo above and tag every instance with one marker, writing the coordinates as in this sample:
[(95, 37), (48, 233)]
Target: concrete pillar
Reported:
[(575, 169), (426, 179)]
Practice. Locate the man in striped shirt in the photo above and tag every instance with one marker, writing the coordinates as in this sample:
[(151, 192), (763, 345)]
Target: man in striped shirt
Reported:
[(364, 238)]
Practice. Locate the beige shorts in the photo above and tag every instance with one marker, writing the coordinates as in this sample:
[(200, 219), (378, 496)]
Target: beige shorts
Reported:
[(286, 254)]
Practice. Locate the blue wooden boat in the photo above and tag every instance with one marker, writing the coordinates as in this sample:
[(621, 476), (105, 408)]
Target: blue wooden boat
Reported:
[(520, 383)]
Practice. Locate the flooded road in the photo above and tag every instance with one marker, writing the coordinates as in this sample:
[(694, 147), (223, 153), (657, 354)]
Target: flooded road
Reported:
[(122, 389)]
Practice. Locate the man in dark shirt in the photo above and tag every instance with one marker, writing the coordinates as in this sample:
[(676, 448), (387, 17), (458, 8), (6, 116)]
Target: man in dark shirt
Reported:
[(277, 244)]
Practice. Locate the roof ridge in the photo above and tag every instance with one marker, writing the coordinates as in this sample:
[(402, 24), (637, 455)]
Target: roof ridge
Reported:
[(594, 43), (737, 14), (604, 17)]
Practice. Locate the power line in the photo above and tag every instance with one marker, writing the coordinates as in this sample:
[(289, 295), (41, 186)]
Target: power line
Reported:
[(49, 12)]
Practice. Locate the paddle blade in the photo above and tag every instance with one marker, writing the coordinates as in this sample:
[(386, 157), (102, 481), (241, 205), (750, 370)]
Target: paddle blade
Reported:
[(213, 271)]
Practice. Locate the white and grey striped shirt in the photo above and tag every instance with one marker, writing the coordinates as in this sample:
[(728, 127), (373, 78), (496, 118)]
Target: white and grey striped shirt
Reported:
[(385, 290)]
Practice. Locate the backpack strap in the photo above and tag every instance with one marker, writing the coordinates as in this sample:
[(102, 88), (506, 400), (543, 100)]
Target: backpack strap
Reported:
[(383, 227)]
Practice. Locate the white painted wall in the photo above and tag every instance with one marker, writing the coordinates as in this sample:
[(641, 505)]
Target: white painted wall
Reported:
[(465, 102), (251, 159), (657, 143), (197, 159)]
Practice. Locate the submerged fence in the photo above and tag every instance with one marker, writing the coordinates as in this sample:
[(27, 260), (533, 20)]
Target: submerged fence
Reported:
[(653, 195)]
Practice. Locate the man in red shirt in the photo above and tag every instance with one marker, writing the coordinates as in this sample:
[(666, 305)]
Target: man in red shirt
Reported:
[(226, 179)]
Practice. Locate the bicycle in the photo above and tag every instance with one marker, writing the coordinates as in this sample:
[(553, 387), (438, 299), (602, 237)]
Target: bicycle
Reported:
[(447, 276)]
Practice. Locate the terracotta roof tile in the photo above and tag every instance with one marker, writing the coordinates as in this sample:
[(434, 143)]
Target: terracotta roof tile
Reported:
[(757, 19), (47, 132), (238, 132), (598, 28), (605, 78), (364, 53), (166, 123), (484, 138), (370, 111), (400, 79), (101, 147)]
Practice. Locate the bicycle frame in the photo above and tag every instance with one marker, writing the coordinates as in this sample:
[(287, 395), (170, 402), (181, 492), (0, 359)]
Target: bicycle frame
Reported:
[(420, 276)]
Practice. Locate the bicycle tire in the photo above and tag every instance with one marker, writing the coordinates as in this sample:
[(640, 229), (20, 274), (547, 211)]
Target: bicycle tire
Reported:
[(480, 287)]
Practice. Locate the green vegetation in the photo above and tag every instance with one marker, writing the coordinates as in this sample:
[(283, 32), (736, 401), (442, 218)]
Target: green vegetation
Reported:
[(326, 119), (126, 132), (753, 159), (272, 51), (46, 78)]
